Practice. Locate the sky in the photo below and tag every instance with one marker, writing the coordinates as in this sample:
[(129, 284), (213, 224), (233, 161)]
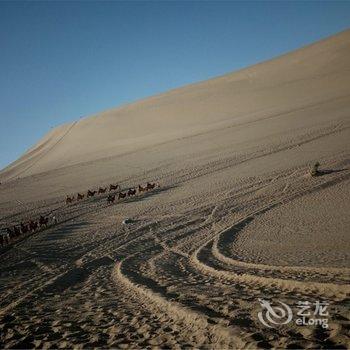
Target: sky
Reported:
[(60, 61)]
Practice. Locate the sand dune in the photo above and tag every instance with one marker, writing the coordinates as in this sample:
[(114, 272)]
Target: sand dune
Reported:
[(285, 85), (237, 217)]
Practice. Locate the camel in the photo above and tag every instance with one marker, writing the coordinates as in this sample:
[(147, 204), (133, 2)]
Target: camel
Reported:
[(142, 189), (121, 195), (43, 221), (131, 192), (24, 228), (80, 196), (90, 193), (7, 238), (111, 198), (4, 239), (16, 231), (102, 190), (33, 225), (150, 186), (69, 199), (10, 234), (113, 187)]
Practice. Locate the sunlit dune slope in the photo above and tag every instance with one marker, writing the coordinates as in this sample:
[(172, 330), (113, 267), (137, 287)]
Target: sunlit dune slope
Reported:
[(316, 75)]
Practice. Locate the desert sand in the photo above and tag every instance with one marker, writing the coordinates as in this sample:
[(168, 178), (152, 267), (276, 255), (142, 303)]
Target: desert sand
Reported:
[(237, 217)]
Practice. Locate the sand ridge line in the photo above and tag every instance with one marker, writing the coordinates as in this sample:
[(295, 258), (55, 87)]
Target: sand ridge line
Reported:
[(47, 150)]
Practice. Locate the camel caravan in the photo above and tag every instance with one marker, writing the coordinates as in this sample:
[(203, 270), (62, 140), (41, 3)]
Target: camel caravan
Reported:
[(132, 191), (90, 193), (11, 234)]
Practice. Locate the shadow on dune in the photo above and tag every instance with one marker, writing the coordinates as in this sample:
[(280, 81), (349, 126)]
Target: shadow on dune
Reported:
[(149, 194), (330, 171), (69, 228)]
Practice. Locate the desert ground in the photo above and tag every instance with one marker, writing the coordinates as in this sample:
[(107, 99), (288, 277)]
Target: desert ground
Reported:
[(236, 217)]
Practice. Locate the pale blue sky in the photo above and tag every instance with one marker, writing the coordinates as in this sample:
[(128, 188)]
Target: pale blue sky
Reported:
[(63, 60)]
